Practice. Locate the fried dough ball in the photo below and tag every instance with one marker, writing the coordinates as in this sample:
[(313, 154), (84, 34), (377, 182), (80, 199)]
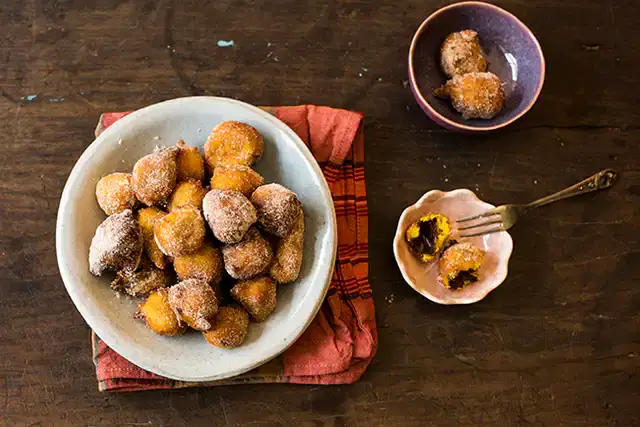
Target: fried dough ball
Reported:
[(229, 214), (154, 176), (158, 314), (194, 302), (474, 95), (236, 178), (142, 281), (459, 265), (186, 194), (278, 208), (228, 327), (287, 258), (190, 164), (428, 236), (249, 257), (233, 143), (115, 193), (205, 265), (257, 296), (180, 232), (461, 53), (147, 218), (117, 244)]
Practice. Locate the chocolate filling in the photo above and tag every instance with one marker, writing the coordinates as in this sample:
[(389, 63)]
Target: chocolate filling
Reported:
[(425, 243), (462, 279)]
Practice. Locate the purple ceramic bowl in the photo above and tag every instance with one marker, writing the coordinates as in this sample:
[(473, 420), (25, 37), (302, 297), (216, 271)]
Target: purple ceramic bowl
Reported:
[(512, 51)]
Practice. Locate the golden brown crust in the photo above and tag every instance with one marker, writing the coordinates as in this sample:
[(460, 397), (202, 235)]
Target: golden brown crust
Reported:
[(189, 162), (229, 214), (236, 178), (154, 176), (460, 258), (147, 218), (158, 314), (206, 264), (180, 232), (233, 143), (114, 193), (228, 327), (475, 95), (287, 258), (277, 207), (249, 257), (257, 296), (194, 302), (172, 179), (461, 53), (116, 245), (187, 194)]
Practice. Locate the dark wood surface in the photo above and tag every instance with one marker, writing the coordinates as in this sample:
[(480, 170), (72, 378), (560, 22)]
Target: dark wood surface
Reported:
[(556, 345)]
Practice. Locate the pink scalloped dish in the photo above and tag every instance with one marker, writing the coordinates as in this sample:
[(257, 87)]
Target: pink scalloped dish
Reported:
[(424, 276)]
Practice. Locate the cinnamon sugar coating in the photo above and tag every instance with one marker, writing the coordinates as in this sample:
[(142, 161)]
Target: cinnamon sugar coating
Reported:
[(116, 245), (277, 207)]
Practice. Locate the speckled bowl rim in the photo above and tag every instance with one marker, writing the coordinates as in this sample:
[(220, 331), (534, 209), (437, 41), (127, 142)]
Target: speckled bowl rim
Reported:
[(398, 240), (424, 103), (93, 319)]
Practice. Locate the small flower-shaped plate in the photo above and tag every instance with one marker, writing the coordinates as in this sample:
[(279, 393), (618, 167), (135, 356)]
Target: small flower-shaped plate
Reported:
[(423, 277)]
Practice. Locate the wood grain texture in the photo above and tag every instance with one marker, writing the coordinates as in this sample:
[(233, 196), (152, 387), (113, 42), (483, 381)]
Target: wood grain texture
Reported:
[(556, 344)]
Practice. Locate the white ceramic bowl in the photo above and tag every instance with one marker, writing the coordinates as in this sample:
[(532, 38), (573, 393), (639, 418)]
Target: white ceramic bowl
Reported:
[(424, 277), (189, 357)]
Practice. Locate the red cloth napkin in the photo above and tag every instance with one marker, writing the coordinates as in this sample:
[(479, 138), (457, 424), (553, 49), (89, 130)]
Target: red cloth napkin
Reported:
[(342, 339)]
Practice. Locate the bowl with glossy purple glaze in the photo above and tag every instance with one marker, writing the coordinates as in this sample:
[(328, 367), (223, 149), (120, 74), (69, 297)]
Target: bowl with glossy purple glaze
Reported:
[(512, 51)]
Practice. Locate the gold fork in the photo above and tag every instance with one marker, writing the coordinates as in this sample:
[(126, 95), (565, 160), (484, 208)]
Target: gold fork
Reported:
[(507, 215)]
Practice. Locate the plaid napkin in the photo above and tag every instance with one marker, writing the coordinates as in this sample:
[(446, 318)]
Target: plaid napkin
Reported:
[(342, 339)]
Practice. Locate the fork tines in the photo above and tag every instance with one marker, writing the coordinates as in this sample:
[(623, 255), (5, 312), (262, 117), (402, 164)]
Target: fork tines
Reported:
[(487, 214)]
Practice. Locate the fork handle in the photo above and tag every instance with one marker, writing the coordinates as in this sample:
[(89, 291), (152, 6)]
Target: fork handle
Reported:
[(600, 181)]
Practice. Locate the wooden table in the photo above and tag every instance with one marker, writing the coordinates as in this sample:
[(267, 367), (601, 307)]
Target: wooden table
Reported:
[(556, 344)]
